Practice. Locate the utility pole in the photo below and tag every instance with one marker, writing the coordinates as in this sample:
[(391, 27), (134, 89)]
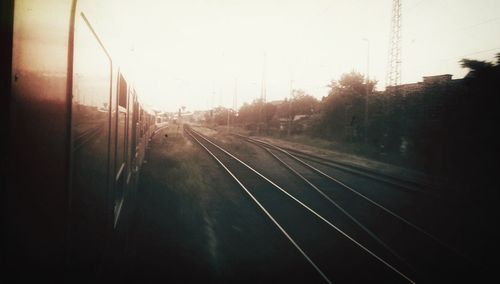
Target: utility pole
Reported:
[(263, 90), (234, 101), (262, 93), (290, 118), (235, 97), (179, 122), (212, 108), (227, 128), (367, 90)]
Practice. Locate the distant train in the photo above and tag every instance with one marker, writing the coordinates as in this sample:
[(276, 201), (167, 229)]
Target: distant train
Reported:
[(77, 136)]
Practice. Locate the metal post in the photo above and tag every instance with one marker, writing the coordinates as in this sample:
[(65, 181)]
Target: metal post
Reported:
[(367, 90), (227, 128), (290, 109)]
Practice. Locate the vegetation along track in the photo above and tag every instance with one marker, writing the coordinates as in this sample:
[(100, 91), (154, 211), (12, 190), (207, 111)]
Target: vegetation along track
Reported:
[(421, 186), (417, 251), (332, 252)]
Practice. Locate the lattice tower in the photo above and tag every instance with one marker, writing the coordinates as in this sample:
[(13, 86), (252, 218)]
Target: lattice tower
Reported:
[(393, 77)]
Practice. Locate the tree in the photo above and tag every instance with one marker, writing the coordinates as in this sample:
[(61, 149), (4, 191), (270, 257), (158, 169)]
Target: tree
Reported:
[(221, 115), (343, 110), (302, 103), (475, 136), (459, 142), (257, 115)]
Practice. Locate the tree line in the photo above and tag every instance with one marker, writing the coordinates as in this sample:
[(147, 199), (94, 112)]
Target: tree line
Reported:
[(439, 124)]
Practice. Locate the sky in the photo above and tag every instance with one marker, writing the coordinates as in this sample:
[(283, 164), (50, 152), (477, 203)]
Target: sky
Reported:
[(205, 53)]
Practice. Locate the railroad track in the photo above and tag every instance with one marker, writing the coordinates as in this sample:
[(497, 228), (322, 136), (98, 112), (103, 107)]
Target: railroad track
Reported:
[(329, 240), (421, 186), (353, 203)]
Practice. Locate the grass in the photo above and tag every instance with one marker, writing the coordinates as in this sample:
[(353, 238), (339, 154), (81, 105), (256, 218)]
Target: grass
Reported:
[(172, 225), (358, 149), (181, 169)]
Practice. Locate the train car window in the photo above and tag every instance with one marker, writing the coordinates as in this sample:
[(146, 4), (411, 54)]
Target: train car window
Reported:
[(129, 137), (132, 129), (141, 119), (122, 97), (136, 122), (121, 124), (92, 82), (121, 136)]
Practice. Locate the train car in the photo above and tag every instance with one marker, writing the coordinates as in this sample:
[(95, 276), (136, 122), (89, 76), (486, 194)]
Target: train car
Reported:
[(77, 136)]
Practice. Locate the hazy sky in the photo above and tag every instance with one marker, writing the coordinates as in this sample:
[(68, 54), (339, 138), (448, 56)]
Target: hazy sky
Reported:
[(192, 52)]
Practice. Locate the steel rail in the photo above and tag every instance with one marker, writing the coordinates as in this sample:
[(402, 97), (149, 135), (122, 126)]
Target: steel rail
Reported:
[(302, 252), (309, 209), (352, 218), (383, 178), (388, 211), (410, 185), (407, 184)]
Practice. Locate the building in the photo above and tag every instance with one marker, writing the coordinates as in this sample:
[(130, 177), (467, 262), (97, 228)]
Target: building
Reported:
[(427, 81)]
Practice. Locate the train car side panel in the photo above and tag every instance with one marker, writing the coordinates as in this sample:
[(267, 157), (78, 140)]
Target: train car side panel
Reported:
[(90, 124), (37, 198)]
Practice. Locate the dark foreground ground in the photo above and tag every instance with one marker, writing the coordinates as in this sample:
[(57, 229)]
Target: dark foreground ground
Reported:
[(193, 226)]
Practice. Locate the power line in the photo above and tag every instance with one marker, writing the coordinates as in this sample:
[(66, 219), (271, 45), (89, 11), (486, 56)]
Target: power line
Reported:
[(481, 51), (478, 24), (457, 57), (453, 32), (413, 8)]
